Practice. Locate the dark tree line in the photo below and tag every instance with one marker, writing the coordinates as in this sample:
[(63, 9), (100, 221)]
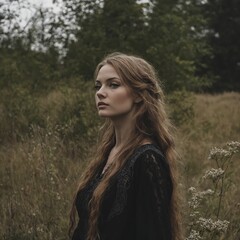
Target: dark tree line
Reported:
[(224, 38), (193, 44)]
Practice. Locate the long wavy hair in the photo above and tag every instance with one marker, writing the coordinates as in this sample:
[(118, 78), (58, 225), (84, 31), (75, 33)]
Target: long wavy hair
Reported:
[(151, 122)]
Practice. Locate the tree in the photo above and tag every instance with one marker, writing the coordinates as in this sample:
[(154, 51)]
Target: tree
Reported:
[(84, 51), (176, 43), (103, 27), (224, 37), (28, 56), (123, 25)]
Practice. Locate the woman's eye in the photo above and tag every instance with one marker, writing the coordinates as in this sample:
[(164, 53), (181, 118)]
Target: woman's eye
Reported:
[(97, 87), (114, 85)]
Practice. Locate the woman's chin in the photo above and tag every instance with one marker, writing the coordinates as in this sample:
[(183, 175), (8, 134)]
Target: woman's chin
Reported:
[(104, 114)]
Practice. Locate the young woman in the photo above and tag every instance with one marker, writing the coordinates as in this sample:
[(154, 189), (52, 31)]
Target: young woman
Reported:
[(129, 191)]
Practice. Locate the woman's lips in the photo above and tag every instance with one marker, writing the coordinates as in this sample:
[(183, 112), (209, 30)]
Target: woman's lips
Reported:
[(102, 104)]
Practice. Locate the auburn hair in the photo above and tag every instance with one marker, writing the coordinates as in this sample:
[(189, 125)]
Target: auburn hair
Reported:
[(151, 122)]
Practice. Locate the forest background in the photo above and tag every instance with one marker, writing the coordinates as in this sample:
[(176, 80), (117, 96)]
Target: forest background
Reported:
[(48, 121)]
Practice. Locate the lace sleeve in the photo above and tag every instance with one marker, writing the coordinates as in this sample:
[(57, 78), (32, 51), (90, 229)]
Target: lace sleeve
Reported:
[(153, 195)]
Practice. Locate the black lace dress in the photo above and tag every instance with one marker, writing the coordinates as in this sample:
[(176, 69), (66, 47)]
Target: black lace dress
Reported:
[(137, 204)]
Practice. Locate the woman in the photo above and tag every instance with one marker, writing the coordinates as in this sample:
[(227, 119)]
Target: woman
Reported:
[(128, 192)]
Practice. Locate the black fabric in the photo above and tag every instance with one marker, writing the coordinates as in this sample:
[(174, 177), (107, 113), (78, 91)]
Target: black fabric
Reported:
[(137, 204)]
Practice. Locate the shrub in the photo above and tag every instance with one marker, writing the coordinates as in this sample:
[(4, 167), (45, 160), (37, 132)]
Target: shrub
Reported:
[(19, 110), (181, 107)]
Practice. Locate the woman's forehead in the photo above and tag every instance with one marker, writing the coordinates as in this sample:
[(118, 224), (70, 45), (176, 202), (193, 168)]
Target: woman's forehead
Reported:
[(107, 71)]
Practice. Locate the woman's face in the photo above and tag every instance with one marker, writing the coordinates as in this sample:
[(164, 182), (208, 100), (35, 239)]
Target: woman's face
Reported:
[(113, 97)]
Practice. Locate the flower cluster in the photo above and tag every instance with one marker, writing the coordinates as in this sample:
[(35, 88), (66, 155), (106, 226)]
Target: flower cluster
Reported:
[(194, 215), (226, 152), (211, 228), (233, 146), (197, 197), (194, 235), (219, 153), (213, 174), (210, 225)]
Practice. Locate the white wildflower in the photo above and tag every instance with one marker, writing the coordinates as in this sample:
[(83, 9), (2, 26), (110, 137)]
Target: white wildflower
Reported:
[(210, 225), (58, 196), (219, 153), (233, 146), (213, 173), (208, 192), (197, 197), (40, 229), (194, 214), (194, 235), (192, 189)]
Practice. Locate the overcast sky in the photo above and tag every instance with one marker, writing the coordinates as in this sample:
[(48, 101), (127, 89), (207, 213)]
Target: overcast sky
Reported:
[(46, 3), (29, 8)]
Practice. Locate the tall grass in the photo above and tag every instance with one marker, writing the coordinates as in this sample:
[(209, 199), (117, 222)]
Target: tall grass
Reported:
[(39, 170), (216, 122)]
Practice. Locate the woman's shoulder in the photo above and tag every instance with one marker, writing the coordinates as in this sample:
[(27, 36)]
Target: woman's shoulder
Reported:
[(149, 156), (147, 149), (144, 158)]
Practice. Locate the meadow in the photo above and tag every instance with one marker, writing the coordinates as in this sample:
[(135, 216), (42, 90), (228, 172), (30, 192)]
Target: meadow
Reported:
[(46, 141)]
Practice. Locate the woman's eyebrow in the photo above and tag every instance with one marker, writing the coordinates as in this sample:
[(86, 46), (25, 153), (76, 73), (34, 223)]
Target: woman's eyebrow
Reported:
[(109, 79)]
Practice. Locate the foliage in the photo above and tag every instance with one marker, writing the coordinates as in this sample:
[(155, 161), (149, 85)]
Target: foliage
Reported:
[(102, 28), (181, 104), (18, 111), (35, 71), (83, 53), (70, 108), (175, 44), (224, 37), (73, 111), (161, 34), (187, 41)]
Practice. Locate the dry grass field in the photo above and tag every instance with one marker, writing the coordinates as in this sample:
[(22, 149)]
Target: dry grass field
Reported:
[(39, 172), (216, 121)]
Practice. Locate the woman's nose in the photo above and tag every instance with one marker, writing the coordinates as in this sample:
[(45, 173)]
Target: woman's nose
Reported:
[(101, 93)]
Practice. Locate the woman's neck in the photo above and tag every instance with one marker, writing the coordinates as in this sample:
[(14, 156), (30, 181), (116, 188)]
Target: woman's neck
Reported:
[(123, 129)]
